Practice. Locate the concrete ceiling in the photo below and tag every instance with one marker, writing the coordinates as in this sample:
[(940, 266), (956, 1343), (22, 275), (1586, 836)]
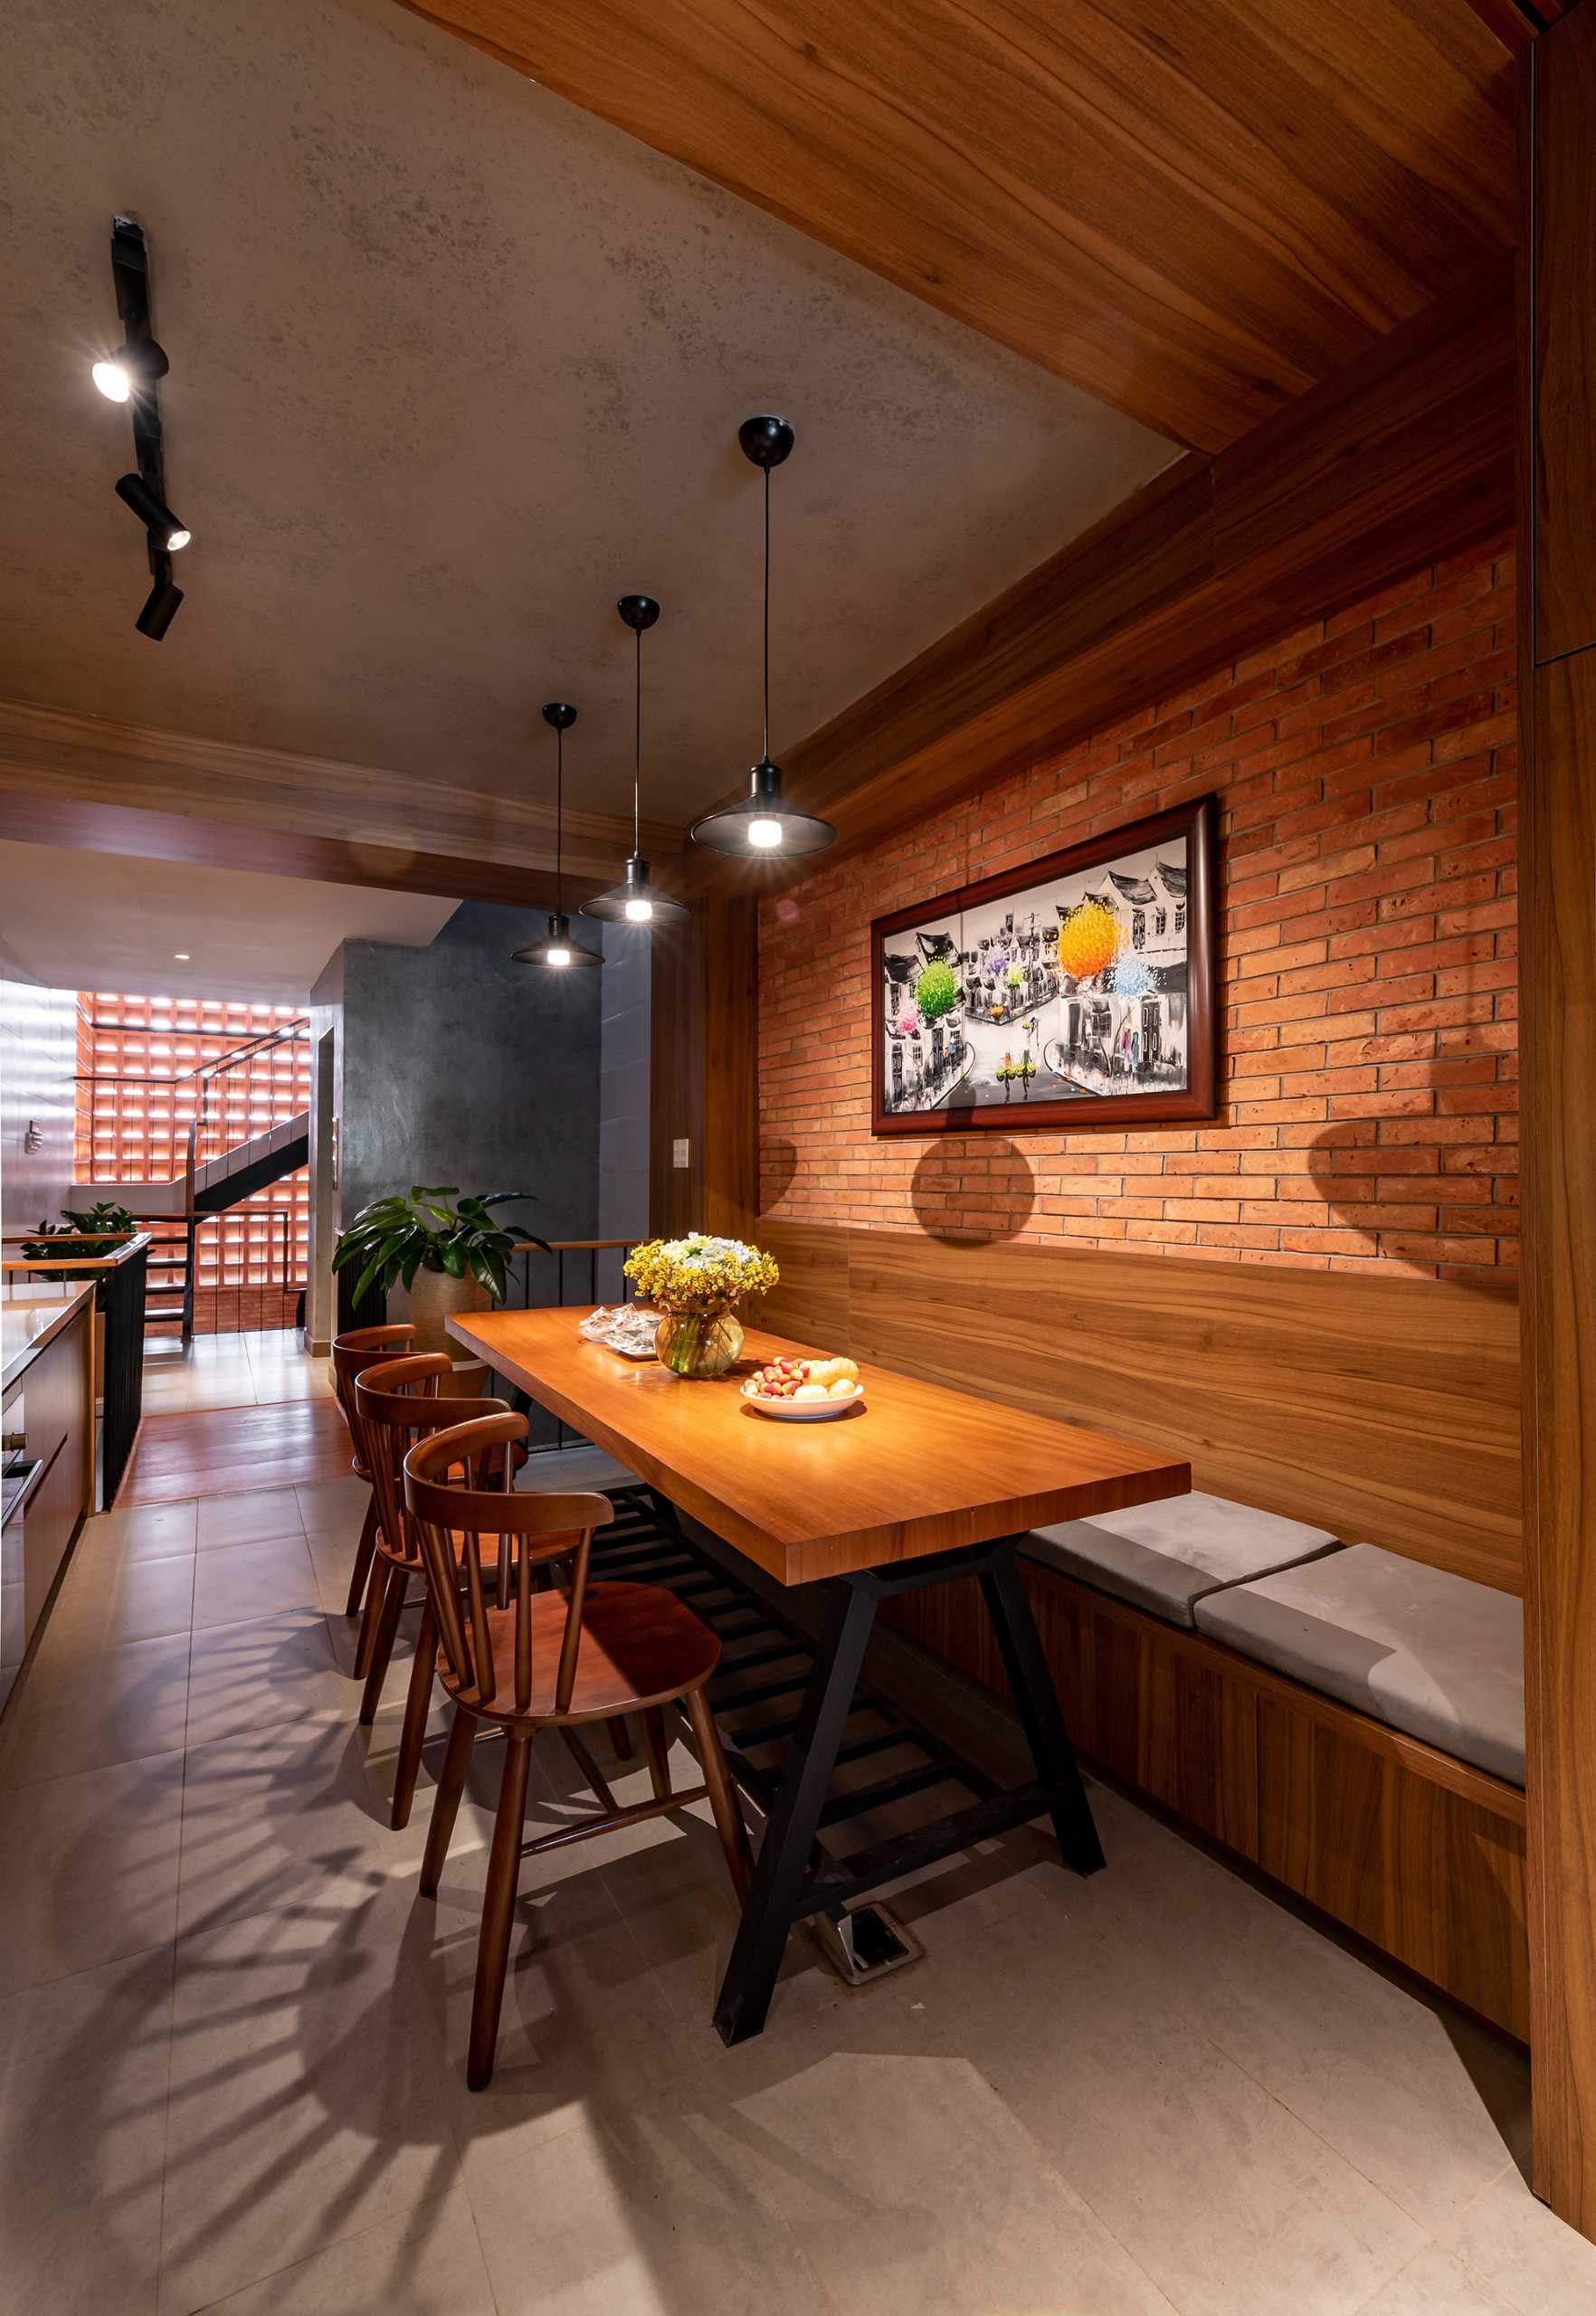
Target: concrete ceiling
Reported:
[(454, 364), (88, 920)]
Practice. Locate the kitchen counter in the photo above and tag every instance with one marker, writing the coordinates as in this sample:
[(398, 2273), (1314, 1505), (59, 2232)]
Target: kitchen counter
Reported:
[(32, 1314)]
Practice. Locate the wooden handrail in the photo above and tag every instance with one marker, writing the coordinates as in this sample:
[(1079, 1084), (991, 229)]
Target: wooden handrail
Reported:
[(125, 1245), (570, 1246)]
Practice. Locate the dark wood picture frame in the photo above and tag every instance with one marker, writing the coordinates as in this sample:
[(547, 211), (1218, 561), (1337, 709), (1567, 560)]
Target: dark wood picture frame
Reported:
[(1198, 824)]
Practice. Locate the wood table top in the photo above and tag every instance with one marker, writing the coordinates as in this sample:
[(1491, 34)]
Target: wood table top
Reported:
[(917, 1468)]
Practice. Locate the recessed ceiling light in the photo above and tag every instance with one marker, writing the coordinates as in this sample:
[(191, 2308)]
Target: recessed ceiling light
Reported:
[(179, 956)]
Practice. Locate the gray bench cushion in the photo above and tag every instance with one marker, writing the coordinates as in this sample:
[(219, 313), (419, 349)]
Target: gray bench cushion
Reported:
[(1422, 1650), (579, 1469), (1165, 1557)]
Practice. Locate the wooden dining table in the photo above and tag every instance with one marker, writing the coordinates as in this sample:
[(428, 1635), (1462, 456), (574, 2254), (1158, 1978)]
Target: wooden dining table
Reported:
[(915, 1484)]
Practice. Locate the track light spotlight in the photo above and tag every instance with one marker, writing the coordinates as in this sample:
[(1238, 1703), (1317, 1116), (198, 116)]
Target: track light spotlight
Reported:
[(153, 512), (160, 607), (140, 363)]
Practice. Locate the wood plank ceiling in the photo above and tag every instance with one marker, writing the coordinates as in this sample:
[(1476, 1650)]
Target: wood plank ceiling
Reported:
[(1194, 209)]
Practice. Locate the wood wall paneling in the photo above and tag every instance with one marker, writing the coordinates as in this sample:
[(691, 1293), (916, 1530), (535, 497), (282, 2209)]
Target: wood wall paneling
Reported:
[(1383, 1410), (1561, 235), (1195, 213), (704, 1064), (1558, 999), (79, 781), (1404, 457)]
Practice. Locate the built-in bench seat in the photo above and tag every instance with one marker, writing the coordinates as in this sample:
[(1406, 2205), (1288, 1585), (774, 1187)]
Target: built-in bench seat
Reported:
[(1415, 1647), (1166, 1558)]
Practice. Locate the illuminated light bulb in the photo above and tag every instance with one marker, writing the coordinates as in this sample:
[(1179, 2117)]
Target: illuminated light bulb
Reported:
[(112, 380), (639, 912), (766, 834), (556, 956)]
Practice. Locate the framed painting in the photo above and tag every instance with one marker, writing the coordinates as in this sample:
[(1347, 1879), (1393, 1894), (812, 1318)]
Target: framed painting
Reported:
[(1076, 991)]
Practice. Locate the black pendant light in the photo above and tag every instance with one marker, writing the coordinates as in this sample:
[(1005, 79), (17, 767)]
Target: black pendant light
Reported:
[(764, 826), (635, 901), (557, 948)]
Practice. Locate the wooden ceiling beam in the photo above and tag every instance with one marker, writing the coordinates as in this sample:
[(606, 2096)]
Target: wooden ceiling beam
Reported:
[(1193, 212), (79, 781), (1404, 457)]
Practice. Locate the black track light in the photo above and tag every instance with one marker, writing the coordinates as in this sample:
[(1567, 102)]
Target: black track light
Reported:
[(161, 605), (153, 512), (132, 369)]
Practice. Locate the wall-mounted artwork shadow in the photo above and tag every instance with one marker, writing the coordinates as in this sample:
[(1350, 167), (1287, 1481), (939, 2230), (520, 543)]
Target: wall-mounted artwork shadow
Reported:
[(1076, 992)]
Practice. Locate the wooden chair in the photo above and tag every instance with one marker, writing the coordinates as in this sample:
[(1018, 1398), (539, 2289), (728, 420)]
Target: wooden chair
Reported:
[(523, 1659), (396, 1403), (352, 1354)]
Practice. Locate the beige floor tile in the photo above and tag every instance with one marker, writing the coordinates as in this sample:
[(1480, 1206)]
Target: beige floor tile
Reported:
[(1425, 2105), (84, 2066), (121, 1705), (1434, 2284), (332, 1556), (1509, 2241), (1234, 2206), (143, 1531), (909, 2180), (429, 2263), (267, 1670), (106, 1601), (236, 1581), (334, 1508), (249, 1518), (585, 2023), (88, 1865), (631, 2222), (290, 1815), (306, 2102)]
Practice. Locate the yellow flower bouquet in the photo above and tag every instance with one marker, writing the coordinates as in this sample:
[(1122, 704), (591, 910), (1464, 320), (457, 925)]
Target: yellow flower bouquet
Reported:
[(697, 1281)]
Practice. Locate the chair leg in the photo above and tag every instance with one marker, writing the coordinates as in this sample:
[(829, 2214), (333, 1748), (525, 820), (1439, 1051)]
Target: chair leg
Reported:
[(382, 1647), (619, 1737), (723, 1794), (417, 1703), (653, 1721), (376, 1592), (499, 1905), (365, 1552), (456, 1759)]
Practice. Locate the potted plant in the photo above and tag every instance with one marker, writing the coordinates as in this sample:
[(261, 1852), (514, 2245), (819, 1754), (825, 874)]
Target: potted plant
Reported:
[(697, 1282), (80, 1237), (448, 1259)]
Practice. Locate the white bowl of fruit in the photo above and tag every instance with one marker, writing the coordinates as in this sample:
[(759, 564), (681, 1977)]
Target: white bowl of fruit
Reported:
[(805, 1391)]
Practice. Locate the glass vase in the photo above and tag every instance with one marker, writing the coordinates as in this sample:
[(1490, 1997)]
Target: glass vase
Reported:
[(698, 1343)]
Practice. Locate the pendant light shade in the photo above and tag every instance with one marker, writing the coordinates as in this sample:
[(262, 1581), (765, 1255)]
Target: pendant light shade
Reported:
[(764, 826), (634, 900), (557, 949)]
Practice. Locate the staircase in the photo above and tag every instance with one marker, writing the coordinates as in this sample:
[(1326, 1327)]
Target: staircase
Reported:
[(199, 1167)]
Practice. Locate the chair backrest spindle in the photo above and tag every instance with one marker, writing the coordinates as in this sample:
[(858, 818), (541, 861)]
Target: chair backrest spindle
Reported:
[(526, 1532), (396, 1403)]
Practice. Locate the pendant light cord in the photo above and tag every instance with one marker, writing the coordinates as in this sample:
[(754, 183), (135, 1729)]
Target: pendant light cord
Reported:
[(766, 749), (636, 752), (559, 821)]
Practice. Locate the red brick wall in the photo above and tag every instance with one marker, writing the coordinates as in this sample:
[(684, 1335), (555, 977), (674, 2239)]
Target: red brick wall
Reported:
[(1366, 766)]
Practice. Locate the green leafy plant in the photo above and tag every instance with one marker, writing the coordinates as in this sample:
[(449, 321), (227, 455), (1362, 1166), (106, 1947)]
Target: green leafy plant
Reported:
[(393, 1237), (936, 993), (79, 1238)]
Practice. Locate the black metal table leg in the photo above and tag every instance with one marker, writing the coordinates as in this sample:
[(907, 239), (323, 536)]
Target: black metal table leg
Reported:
[(1037, 1703), (784, 1854)]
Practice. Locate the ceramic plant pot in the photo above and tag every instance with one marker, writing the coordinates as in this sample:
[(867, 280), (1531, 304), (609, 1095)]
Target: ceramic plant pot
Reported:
[(435, 1298)]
